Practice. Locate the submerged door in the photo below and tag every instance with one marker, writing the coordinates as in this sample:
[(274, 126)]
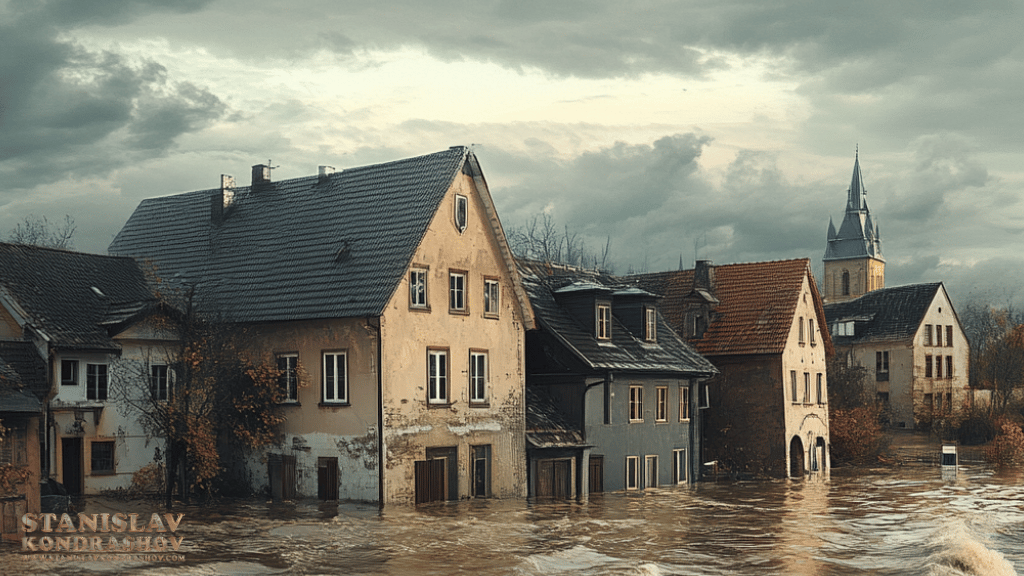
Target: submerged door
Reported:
[(596, 474), (554, 478), (327, 478), (71, 463)]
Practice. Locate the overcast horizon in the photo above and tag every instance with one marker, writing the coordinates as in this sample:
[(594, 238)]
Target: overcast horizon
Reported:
[(733, 122)]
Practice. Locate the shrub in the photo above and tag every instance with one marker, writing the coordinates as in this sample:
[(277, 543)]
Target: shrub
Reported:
[(856, 434), (1008, 447)]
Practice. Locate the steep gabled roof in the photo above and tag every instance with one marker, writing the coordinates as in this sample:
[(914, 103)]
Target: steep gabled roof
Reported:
[(887, 314), (66, 297), (313, 247), (757, 302), (625, 351)]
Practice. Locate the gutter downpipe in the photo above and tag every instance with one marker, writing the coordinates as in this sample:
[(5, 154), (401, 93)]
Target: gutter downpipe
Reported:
[(380, 412)]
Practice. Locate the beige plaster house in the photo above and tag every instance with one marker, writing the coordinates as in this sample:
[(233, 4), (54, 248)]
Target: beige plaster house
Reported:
[(914, 347), (389, 297), (760, 324)]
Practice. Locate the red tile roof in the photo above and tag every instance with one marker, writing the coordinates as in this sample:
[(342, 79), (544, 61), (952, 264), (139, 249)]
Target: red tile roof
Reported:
[(757, 304)]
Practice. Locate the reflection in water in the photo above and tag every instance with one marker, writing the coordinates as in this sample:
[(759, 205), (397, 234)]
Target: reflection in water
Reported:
[(902, 521)]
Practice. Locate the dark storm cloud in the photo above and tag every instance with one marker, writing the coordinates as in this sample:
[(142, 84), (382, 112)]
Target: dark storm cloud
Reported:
[(64, 109), (656, 204)]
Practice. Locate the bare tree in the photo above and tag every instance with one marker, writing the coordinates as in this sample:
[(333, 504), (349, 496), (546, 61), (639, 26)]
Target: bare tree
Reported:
[(38, 231), (996, 339), (541, 239), (203, 392)]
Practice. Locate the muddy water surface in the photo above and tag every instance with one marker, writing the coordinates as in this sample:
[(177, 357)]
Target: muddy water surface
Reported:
[(887, 521)]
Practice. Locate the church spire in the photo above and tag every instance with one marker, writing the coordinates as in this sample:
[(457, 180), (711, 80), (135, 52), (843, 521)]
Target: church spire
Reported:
[(853, 257), (856, 200)]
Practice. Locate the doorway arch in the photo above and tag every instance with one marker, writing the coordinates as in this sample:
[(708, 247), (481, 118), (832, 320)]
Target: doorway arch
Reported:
[(796, 458)]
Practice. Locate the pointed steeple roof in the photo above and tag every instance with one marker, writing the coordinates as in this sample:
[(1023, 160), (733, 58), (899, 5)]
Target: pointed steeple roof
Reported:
[(858, 234)]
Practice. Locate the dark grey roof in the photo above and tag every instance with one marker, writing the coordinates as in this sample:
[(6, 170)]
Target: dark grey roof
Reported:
[(68, 296), (547, 426), (858, 235), (887, 314), (625, 351), (330, 247), (22, 366), (20, 401)]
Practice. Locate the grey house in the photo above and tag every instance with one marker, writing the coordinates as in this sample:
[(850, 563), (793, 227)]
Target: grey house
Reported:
[(612, 390)]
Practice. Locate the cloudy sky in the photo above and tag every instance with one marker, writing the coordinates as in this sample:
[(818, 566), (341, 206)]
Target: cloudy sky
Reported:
[(652, 123)]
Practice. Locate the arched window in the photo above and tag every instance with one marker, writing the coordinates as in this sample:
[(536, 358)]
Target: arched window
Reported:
[(846, 283)]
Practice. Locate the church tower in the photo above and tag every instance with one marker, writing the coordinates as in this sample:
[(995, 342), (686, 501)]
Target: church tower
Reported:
[(854, 264)]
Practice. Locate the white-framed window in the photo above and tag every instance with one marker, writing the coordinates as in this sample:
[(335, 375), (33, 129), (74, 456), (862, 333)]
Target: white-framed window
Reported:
[(69, 372), (461, 212), (457, 291), (684, 402), (478, 376), (650, 324), (492, 297), (680, 466), (437, 376), (96, 381), (703, 396), (604, 322), (288, 380), (636, 403), (335, 378), (418, 288), (650, 471), (632, 472), (792, 387), (159, 381), (661, 412)]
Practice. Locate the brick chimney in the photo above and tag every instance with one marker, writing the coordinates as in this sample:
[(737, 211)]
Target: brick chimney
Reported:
[(260, 174), (221, 200), (704, 276)]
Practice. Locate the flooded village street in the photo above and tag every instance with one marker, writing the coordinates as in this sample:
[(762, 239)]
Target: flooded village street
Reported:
[(906, 520)]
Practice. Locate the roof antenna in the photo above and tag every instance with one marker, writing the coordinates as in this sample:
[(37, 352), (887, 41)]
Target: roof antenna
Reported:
[(270, 166)]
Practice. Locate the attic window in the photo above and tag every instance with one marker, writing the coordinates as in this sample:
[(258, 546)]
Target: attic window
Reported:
[(843, 329), (461, 212), (98, 292), (604, 322)]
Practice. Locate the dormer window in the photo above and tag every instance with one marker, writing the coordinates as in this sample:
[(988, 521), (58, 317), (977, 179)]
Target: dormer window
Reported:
[(650, 324), (604, 321), (461, 212)]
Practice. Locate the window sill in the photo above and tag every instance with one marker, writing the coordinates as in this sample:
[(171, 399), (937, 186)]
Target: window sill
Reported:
[(684, 419), (479, 404), (327, 404), (457, 312), (636, 421), (419, 308), (289, 403), (439, 404)]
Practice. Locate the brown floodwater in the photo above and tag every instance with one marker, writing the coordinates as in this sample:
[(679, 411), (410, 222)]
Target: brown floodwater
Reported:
[(907, 521)]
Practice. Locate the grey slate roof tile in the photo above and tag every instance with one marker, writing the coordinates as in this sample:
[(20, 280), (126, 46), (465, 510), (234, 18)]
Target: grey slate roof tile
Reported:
[(55, 289), (274, 255), (887, 314), (626, 352)]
